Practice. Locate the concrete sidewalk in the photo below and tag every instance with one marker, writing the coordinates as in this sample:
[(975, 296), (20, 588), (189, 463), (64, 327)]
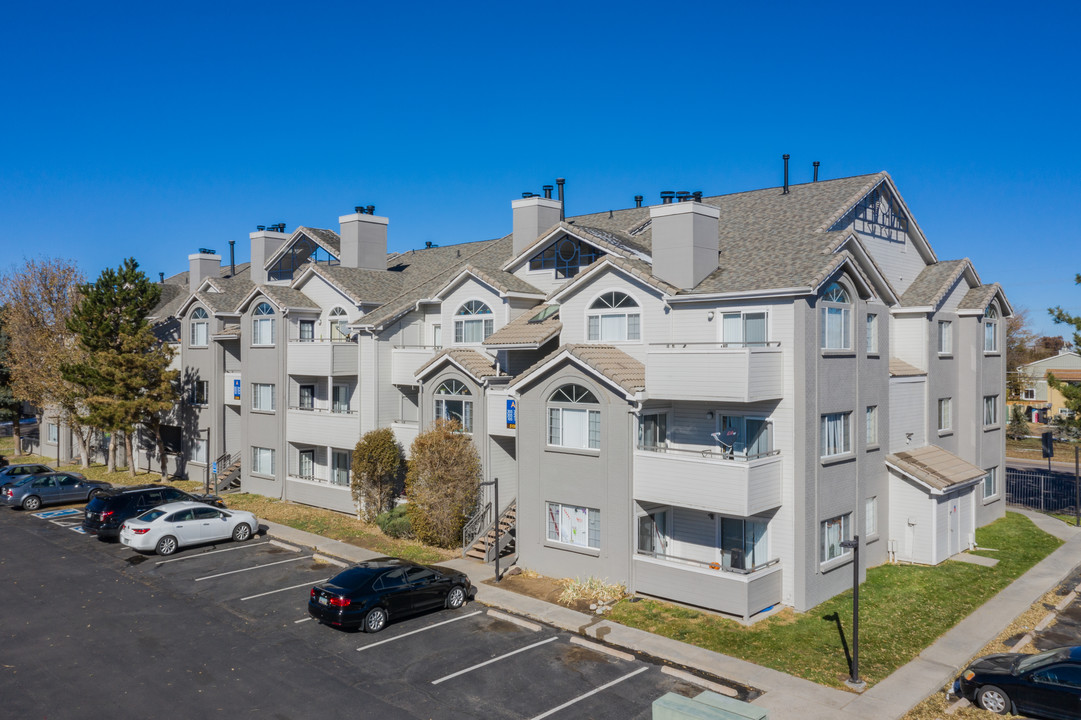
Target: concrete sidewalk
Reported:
[(785, 696)]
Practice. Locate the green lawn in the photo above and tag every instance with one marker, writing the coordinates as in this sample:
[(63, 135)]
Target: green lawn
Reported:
[(903, 609)]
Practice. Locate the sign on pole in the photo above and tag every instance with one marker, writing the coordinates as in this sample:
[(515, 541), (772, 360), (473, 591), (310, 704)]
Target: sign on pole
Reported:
[(512, 413)]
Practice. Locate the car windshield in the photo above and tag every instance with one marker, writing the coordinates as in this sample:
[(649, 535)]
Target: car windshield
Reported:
[(151, 515), (354, 578), (1034, 661)]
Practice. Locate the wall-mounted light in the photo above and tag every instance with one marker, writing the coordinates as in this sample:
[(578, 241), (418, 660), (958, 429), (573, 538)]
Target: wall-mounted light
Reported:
[(709, 414), (710, 516), (709, 315)]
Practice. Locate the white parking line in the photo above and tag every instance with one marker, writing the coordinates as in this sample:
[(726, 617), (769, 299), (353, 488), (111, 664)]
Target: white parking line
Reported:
[(297, 622), (590, 693), (414, 632), (495, 659), (211, 552), (256, 567), (291, 587)]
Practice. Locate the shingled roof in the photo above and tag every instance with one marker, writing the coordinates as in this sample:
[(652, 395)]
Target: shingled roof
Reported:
[(933, 283), (479, 365), (612, 363), (899, 368), (936, 468), (523, 331), (978, 298)]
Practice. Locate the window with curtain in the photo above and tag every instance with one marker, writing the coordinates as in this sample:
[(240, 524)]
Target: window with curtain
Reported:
[(990, 329), (200, 328), (614, 317), (872, 334), (834, 532), (572, 423), (473, 323), (306, 328), (945, 413), (872, 424), (262, 460), (653, 430), (339, 471), (945, 337), (990, 483), (53, 432), (836, 317), (451, 404), (262, 397), (340, 399), (339, 325), (197, 449), (870, 519), (990, 410), (573, 525), (306, 464), (836, 434), (307, 397), (743, 329), (199, 392), (262, 325)]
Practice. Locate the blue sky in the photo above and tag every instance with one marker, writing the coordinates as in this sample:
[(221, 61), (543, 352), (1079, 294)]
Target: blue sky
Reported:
[(151, 130)]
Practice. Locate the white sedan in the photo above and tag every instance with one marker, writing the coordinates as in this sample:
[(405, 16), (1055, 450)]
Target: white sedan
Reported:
[(173, 525)]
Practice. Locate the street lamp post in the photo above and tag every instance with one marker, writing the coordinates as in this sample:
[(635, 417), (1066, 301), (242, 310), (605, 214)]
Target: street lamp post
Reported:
[(854, 681), (495, 482)]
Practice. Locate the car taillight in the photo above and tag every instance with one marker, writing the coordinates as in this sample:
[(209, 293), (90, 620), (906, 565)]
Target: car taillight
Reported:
[(140, 531), (340, 601), (106, 514)]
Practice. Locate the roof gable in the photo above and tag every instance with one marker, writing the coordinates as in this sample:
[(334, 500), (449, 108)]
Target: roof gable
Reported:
[(605, 362)]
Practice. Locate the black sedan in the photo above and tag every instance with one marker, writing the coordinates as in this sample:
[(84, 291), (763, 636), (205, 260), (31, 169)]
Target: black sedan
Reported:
[(1045, 685), (370, 594)]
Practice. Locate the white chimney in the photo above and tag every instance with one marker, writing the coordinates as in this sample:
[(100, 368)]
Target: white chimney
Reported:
[(200, 267), (264, 243), (364, 241), (685, 242), (532, 216)]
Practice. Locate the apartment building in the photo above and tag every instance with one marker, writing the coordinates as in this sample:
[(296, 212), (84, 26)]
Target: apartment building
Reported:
[(700, 399)]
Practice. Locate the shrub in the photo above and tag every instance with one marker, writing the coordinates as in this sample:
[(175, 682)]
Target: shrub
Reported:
[(377, 465), (592, 590), (395, 523), (442, 484)]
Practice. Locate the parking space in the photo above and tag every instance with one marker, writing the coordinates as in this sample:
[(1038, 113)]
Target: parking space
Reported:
[(472, 660)]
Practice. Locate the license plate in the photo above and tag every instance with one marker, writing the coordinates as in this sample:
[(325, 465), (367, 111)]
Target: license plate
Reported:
[(322, 599)]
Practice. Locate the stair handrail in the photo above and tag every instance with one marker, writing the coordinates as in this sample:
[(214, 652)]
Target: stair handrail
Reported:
[(505, 539), (475, 526), (226, 461)]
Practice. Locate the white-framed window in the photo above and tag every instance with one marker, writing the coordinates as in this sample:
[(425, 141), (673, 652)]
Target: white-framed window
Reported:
[(572, 422), (451, 403), (614, 317), (200, 391), (262, 460), (437, 336), (197, 449), (990, 409), (743, 543), (339, 325), (262, 397), (653, 430), (990, 329), (872, 424), (990, 483), (53, 433), (262, 325), (573, 525), (745, 436), (945, 414), (834, 532), (339, 467), (945, 337), (306, 464), (872, 334), (870, 520), (836, 434), (306, 330), (744, 329), (473, 323), (306, 397), (200, 328), (836, 318), (1028, 394)]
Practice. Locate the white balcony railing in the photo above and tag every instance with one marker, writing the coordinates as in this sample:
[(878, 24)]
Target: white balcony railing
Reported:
[(732, 372), (323, 357), (405, 360)]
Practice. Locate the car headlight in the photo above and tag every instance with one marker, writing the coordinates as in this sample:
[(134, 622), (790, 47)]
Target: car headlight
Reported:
[(968, 675)]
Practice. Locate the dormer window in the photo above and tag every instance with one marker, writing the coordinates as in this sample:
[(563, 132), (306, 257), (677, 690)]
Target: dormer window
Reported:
[(614, 317), (339, 325), (473, 323), (199, 328), (836, 314), (262, 325), (566, 256)]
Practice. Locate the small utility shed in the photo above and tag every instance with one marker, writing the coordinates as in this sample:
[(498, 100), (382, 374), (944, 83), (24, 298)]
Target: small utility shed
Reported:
[(932, 504)]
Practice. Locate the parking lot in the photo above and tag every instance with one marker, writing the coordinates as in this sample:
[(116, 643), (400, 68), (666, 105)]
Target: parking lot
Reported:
[(222, 629)]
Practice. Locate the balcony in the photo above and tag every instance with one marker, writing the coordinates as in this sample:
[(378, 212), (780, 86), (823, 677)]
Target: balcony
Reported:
[(323, 358), (405, 360), (321, 427), (721, 372), (708, 480), (734, 593)]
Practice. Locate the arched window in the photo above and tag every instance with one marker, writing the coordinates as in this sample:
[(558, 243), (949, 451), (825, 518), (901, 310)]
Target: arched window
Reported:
[(614, 317), (262, 325), (572, 422), (836, 315), (339, 325), (200, 327), (567, 256), (473, 322), (451, 403), (990, 329)]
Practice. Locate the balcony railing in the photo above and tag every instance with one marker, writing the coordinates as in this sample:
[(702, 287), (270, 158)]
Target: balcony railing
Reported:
[(716, 453), (323, 409), (715, 371), (405, 360), (708, 565), (323, 340)]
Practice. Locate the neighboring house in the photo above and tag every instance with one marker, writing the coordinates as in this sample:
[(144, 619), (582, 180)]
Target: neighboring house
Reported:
[(700, 399), (1040, 401)]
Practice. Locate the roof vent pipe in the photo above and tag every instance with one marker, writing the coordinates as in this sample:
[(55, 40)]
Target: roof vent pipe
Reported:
[(161, 278), (562, 210), (260, 228), (785, 156), (816, 164), (697, 195), (683, 195), (527, 195), (232, 258), (638, 200), (370, 209), (666, 197), (547, 191), (358, 209)]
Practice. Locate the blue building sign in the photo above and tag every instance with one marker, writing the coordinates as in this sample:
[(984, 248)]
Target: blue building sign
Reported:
[(236, 389), (512, 413)]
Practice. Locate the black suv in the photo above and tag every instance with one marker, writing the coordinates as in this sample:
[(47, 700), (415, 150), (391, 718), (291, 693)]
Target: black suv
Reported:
[(107, 512)]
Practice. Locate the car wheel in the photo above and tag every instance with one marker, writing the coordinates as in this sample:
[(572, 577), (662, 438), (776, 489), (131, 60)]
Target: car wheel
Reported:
[(375, 620), (32, 503), (242, 532), (167, 545), (991, 698), (94, 494), (456, 597)]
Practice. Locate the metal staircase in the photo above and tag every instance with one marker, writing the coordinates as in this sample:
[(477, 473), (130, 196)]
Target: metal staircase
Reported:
[(482, 545), (228, 473)]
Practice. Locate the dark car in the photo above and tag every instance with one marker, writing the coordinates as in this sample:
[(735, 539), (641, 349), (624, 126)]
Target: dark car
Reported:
[(370, 594), (32, 491), (1045, 685), (107, 512)]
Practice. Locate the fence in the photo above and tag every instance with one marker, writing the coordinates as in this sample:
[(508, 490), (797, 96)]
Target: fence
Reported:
[(1045, 491)]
